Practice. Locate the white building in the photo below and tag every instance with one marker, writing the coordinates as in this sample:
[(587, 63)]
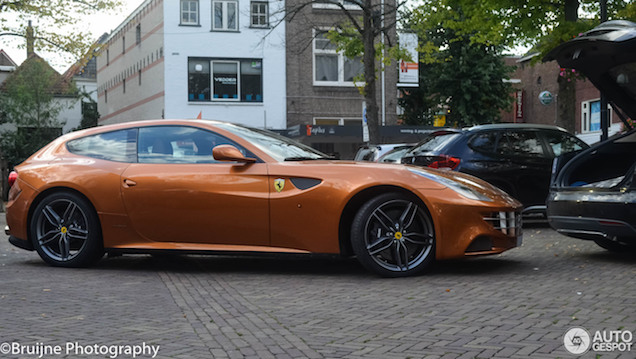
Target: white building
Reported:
[(223, 59)]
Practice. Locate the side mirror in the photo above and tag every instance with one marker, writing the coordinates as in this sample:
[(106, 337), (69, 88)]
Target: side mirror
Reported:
[(230, 153)]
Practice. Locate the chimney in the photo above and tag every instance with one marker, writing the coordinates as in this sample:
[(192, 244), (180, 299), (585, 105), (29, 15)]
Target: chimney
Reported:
[(30, 39)]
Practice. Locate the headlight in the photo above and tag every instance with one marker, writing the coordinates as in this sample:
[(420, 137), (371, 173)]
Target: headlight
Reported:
[(460, 188)]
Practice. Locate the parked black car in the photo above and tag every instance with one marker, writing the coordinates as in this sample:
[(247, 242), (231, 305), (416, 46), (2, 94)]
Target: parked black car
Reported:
[(514, 157), (593, 195), (396, 154)]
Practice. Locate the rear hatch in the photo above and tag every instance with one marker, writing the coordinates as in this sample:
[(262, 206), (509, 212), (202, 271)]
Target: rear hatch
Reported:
[(606, 55)]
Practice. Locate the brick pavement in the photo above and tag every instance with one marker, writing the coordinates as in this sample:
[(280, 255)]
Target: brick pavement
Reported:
[(515, 305)]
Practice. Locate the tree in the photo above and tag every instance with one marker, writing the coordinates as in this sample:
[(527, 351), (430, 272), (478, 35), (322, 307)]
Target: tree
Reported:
[(367, 21), (537, 23), (461, 75), (57, 22), (29, 109)]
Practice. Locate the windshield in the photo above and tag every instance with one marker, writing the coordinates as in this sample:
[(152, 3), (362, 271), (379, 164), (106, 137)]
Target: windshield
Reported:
[(278, 147), (433, 143)]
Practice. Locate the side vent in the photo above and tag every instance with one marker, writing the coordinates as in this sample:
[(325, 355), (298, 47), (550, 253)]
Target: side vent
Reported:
[(304, 183)]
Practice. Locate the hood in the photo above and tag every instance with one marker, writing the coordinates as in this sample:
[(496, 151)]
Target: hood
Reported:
[(606, 55)]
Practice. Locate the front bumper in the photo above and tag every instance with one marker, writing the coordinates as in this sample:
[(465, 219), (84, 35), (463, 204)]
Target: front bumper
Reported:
[(21, 243)]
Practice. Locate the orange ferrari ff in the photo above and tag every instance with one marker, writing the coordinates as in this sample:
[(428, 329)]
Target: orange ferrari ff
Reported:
[(203, 186)]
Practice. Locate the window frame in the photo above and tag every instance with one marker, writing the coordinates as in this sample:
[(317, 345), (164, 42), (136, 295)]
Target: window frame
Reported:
[(238, 81), (224, 5), (331, 4), (265, 15), (197, 12), (245, 86), (530, 134), (341, 63), (586, 116), (131, 146), (164, 130), (138, 34)]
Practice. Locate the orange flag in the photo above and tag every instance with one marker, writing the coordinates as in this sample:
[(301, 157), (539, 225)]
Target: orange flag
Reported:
[(199, 117)]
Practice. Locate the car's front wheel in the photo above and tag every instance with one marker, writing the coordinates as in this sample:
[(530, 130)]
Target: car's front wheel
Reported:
[(393, 235), (65, 231)]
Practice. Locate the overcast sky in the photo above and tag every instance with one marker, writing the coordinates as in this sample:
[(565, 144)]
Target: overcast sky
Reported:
[(96, 24)]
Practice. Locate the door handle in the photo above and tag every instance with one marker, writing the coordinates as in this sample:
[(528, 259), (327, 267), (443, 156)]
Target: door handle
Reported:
[(129, 183)]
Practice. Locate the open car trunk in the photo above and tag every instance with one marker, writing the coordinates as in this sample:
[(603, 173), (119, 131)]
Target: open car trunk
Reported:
[(606, 55), (609, 165)]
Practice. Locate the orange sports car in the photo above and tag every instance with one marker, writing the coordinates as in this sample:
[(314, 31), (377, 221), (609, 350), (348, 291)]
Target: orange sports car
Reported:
[(204, 186)]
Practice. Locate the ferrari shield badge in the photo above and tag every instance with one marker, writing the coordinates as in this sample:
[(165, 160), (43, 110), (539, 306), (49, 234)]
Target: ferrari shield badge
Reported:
[(279, 184)]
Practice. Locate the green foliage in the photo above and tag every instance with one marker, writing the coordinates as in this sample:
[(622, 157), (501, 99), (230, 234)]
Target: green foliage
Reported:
[(510, 23), (467, 79), (30, 110), (90, 115), (58, 22)]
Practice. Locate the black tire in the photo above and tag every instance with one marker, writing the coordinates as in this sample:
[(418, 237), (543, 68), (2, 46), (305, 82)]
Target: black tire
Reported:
[(65, 231), (392, 235), (616, 246)]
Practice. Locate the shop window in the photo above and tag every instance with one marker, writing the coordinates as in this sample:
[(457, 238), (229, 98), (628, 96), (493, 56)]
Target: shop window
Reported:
[(591, 115), (239, 80)]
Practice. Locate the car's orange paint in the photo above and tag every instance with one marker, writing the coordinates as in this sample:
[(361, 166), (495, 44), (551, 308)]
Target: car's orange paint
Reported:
[(243, 206)]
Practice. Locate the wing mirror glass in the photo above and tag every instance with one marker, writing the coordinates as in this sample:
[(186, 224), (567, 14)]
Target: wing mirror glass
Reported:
[(230, 153)]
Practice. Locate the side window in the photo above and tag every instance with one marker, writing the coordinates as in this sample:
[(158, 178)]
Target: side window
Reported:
[(118, 146), (180, 144), (484, 142), (561, 143), (520, 143)]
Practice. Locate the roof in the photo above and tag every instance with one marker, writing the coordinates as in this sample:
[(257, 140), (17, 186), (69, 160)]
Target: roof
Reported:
[(62, 85), (5, 60), (496, 126)]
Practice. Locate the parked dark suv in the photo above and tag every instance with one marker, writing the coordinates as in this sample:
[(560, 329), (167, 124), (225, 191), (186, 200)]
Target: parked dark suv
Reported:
[(514, 157)]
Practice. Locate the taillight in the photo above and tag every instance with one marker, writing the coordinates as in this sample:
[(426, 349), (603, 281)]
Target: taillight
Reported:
[(13, 176), (445, 161)]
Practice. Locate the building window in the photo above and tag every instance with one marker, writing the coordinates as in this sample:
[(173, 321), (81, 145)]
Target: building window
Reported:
[(106, 96), (124, 85), (189, 12), (224, 15), (107, 57), (139, 74), (239, 80), (123, 44), (591, 115), (331, 67), (335, 4), (138, 34), (259, 16)]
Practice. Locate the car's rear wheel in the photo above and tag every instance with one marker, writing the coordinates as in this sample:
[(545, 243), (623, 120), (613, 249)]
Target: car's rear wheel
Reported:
[(65, 231), (615, 245), (392, 235)]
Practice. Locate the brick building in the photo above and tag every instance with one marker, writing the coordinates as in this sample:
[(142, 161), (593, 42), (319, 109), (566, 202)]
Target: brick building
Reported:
[(531, 78), (321, 90)]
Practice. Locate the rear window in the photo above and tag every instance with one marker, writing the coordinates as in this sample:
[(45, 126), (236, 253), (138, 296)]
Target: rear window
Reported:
[(435, 142), (118, 146)]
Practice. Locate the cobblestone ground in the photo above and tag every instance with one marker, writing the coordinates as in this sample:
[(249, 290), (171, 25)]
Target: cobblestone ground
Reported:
[(515, 305)]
